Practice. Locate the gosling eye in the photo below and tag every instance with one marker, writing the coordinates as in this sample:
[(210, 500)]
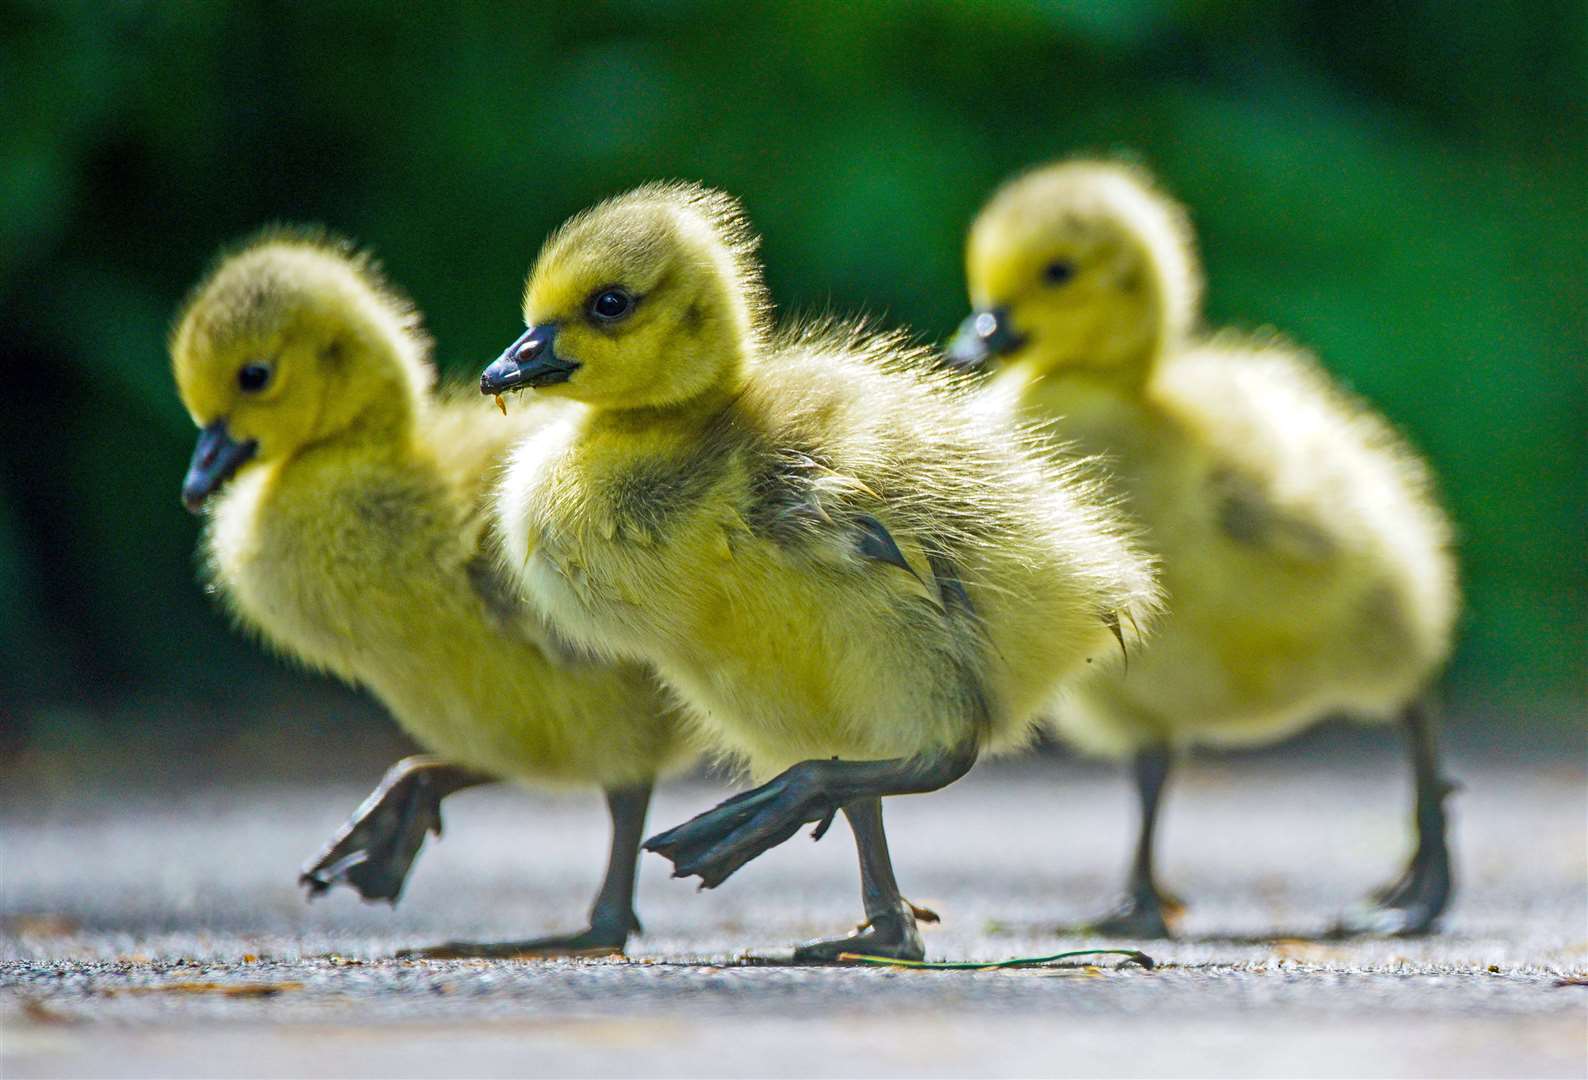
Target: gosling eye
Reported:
[(611, 304), (253, 376), (1058, 271)]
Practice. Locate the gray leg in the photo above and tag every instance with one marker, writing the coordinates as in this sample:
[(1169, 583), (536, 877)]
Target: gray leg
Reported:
[(1144, 910), (612, 917), (890, 918), (374, 851), (1412, 904), (715, 844)]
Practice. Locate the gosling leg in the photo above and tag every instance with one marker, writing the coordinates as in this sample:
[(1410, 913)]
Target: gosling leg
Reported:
[(715, 844), (890, 928), (1145, 910), (1412, 904), (374, 851), (612, 918)]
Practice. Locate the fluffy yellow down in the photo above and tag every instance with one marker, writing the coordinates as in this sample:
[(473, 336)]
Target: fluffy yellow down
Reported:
[(1306, 565), (716, 503), (355, 540)]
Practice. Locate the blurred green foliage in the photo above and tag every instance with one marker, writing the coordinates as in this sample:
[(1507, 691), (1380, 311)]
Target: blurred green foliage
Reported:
[(1399, 185)]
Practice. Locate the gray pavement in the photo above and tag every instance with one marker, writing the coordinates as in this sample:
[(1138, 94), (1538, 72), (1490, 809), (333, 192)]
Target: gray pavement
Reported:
[(161, 934)]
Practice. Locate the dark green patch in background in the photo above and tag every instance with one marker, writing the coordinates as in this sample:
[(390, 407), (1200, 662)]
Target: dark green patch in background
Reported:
[(1397, 185)]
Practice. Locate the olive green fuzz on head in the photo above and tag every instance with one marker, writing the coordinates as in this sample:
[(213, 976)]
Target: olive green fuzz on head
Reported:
[(667, 269), (1082, 264), (287, 342)]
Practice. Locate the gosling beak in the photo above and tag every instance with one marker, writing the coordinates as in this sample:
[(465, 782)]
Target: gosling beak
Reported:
[(984, 335), (532, 360), (215, 458)]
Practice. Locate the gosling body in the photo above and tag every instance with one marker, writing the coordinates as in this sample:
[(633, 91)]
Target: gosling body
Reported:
[(732, 553), (1304, 562)]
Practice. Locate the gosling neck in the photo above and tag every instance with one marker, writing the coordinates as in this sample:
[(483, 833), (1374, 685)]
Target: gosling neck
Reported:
[(686, 415), (1124, 364), (381, 427)]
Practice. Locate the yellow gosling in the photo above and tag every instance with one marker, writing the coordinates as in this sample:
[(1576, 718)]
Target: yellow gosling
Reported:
[(1306, 565), (346, 528), (855, 584)]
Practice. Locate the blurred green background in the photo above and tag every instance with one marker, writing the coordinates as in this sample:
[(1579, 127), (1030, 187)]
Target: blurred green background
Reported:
[(1399, 185)]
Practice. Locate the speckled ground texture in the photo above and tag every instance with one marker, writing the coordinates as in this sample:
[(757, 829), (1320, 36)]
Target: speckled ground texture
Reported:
[(148, 933)]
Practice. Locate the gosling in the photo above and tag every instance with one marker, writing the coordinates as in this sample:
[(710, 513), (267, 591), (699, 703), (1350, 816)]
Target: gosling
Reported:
[(1306, 565), (855, 585), (346, 528)]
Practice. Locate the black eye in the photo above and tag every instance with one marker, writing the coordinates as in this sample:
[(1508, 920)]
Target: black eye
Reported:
[(610, 305), (252, 377), (1058, 271)]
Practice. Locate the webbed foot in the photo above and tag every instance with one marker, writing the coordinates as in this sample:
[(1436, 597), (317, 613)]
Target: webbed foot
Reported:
[(715, 844), (374, 851), (1408, 907), (892, 934)]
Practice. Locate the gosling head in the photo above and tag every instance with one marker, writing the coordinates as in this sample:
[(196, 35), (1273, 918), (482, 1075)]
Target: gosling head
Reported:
[(292, 340), (649, 300), (1078, 265)]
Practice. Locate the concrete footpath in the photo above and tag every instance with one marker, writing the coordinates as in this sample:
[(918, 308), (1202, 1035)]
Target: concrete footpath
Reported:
[(162, 934)]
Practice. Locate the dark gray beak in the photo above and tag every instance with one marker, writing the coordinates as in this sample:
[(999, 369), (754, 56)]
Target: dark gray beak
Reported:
[(215, 458), (532, 360), (984, 336)]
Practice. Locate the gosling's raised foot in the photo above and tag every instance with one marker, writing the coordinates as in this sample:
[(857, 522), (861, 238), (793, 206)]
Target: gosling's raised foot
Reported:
[(715, 844), (1409, 907), (374, 851), (595, 941), (893, 935)]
